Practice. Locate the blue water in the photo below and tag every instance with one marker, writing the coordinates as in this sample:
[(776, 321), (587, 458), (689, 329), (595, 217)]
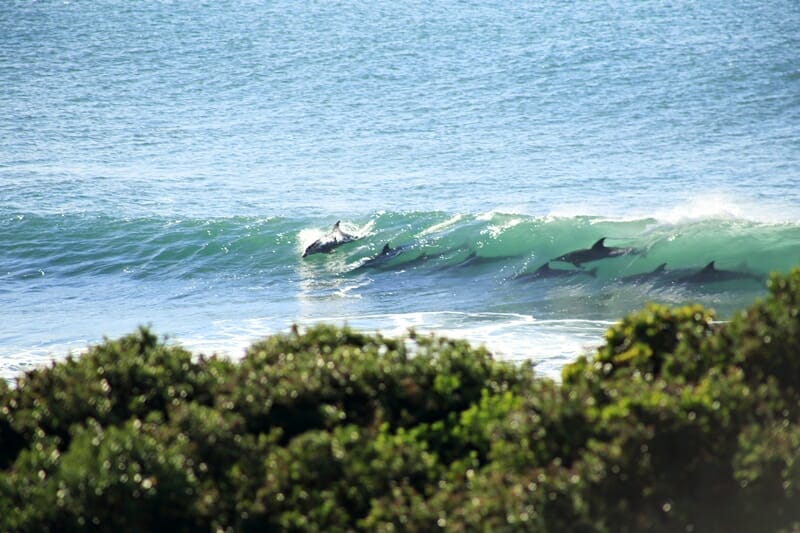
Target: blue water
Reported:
[(166, 163)]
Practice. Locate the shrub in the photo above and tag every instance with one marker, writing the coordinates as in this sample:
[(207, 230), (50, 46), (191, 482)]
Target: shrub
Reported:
[(677, 423)]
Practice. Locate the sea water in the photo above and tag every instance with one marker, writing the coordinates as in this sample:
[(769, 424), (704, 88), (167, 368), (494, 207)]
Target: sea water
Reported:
[(166, 163)]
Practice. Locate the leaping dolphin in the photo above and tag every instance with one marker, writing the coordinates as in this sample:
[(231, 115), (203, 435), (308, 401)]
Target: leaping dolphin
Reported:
[(333, 239), (598, 251), (545, 272), (710, 274)]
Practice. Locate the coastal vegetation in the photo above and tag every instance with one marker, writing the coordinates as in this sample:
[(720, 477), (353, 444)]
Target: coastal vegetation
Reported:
[(678, 422)]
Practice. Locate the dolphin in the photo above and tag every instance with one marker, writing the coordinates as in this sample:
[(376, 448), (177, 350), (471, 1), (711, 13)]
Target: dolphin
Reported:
[(598, 251), (710, 274), (473, 260), (383, 257), (657, 273), (545, 272), (326, 244)]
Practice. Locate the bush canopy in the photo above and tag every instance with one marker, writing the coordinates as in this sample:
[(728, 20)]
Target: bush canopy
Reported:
[(678, 422)]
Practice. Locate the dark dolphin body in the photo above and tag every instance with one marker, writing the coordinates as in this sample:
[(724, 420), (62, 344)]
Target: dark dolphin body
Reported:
[(598, 251), (658, 273), (473, 260), (545, 272), (710, 274), (386, 254), (325, 245)]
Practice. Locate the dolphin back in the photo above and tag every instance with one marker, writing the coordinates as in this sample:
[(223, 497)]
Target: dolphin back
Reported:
[(709, 268)]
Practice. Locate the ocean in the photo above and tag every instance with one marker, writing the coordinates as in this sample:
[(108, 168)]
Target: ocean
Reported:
[(166, 163)]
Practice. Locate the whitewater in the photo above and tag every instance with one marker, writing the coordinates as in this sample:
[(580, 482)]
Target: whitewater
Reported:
[(167, 163)]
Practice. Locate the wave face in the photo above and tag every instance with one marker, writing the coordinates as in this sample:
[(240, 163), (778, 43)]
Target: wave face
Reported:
[(217, 284), (492, 246)]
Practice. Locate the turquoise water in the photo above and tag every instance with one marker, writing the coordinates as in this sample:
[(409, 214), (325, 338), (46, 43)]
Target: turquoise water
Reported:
[(166, 163)]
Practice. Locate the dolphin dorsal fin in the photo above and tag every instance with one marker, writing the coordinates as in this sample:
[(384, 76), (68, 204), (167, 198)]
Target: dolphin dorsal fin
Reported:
[(599, 244), (544, 268), (336, 226), (660, 268), (386, 249), (709, 267)]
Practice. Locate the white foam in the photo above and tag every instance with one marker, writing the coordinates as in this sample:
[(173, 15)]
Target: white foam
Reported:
[(698, 207), (306, 236), (550, 344), (442, 225), (40, 356), (495, 230), (715, 206)]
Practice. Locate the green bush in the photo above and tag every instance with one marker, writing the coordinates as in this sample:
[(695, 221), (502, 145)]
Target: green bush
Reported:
[(678, 422)]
